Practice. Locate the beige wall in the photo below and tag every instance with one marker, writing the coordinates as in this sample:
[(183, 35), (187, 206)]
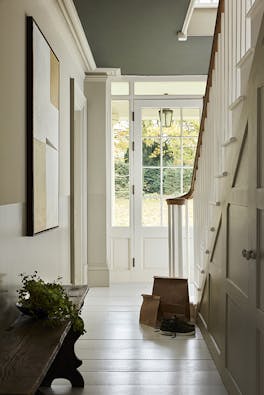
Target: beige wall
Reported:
[(49, 252), (95, 91)]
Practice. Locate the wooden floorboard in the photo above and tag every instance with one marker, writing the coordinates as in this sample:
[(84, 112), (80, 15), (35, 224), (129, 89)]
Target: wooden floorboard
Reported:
[(121, 357)]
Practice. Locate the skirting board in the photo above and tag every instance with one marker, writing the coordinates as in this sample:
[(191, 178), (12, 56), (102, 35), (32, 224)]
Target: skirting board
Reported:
[(217, 357), (98, 276)]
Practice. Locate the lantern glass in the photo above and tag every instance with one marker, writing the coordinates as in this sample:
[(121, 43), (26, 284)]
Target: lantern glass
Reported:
[(165, 116)]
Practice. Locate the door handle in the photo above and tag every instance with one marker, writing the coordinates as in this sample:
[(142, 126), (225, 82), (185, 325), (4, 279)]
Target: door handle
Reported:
[(249, 254)]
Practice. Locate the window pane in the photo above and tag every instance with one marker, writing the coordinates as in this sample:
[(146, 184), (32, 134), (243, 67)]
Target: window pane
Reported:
[(170, 88), (171, 183), (189, 150), (177, 145), (121, 207), (187, 179), (150, 122), (121, 187), (171, 151), (151, 212), (151, 151), (190, 121), (119, 88)]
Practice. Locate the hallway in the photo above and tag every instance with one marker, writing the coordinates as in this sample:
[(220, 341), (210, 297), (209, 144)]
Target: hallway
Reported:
[(122, 358)]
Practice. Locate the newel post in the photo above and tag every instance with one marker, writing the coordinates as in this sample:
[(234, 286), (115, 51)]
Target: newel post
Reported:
[(175, 237)]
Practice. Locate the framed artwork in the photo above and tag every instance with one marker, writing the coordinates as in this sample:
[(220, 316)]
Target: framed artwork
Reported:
[(43, 76)]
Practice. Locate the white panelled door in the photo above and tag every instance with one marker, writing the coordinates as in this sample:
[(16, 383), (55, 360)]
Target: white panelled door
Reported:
[(159, 165)]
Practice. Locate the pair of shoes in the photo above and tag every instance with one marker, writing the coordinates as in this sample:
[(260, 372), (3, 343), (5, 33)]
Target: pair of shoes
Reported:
[(176, 326)]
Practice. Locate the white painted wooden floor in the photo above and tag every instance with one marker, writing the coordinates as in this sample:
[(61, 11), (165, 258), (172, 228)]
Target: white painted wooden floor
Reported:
[(120, 357)]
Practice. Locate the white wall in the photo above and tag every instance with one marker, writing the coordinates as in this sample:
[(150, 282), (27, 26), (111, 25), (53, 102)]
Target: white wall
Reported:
[(48, 252), (95, 91)]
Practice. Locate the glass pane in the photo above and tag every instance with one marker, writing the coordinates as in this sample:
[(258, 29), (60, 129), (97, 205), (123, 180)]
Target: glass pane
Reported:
[(121, 203), (175, 128), (171, 151), (189, 150), (171, 183), (119, 88), (190, 121), (170, 88), (121, 187), (187, 179), (151, 213), (150, 122), (150, 151)]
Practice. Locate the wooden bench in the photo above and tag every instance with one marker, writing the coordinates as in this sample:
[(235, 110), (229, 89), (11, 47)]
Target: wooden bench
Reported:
[(32, 355)]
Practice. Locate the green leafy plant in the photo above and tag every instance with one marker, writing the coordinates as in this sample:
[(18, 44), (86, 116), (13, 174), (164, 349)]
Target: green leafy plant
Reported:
[(49, 301)]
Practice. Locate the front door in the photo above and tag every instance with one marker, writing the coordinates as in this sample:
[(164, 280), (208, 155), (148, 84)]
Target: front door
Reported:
[(157, 166), (165, 142)]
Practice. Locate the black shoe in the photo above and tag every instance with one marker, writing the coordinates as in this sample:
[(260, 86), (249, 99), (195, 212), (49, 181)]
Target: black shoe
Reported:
[(184, 328), (167, 325), (176, 326)]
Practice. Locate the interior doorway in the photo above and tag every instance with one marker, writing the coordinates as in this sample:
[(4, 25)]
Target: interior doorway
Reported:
[(152, 160)]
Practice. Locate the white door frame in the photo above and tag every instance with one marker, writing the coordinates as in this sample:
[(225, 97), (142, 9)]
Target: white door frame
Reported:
[(123, 237)]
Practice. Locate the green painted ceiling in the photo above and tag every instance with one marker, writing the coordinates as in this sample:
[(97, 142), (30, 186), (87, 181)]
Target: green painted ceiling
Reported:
[(139, 36)]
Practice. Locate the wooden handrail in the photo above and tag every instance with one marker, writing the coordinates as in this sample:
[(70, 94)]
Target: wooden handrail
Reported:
[(179, 200)]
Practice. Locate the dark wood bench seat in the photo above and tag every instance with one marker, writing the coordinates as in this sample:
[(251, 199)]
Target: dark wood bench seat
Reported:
[(33, 355)]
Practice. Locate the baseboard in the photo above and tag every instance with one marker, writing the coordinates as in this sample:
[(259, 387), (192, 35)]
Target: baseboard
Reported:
[(133, 276), (98, 276)]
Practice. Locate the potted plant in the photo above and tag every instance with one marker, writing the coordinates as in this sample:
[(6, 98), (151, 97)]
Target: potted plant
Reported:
[(47, 300)]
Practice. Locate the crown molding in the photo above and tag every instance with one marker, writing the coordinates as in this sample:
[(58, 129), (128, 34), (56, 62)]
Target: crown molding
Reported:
[(72, 19), (96, 77), (102, 74), (111, 72)]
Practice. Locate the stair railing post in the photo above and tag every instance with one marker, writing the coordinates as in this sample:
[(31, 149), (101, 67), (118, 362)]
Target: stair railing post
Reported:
[(175, 207)]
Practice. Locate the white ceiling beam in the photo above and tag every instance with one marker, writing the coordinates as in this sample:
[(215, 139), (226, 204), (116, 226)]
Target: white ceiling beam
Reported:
[(182, 35)]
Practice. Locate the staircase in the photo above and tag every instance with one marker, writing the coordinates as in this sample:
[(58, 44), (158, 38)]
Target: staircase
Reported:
[(237, 27), (219, 150), (236, 32)]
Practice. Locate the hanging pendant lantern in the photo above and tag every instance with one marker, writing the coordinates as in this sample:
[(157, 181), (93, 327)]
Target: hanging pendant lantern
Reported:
[(165, 116)]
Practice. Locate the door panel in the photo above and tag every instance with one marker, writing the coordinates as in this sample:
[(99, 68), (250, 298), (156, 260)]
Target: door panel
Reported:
[(260, 362), (240, 177), (237, 338), (260, 262), (151, 251), (260, 136), (120, 253), (237, 231), (237, 319), (217, 310)]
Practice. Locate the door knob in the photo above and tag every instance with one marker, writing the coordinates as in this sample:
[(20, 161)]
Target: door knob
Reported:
[(249, 254)]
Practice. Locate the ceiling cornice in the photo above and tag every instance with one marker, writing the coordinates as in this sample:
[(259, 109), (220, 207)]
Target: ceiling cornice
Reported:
[(96, 77), (72, 19)]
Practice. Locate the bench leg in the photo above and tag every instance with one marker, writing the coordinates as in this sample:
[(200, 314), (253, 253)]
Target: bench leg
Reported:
[(66, 363)]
